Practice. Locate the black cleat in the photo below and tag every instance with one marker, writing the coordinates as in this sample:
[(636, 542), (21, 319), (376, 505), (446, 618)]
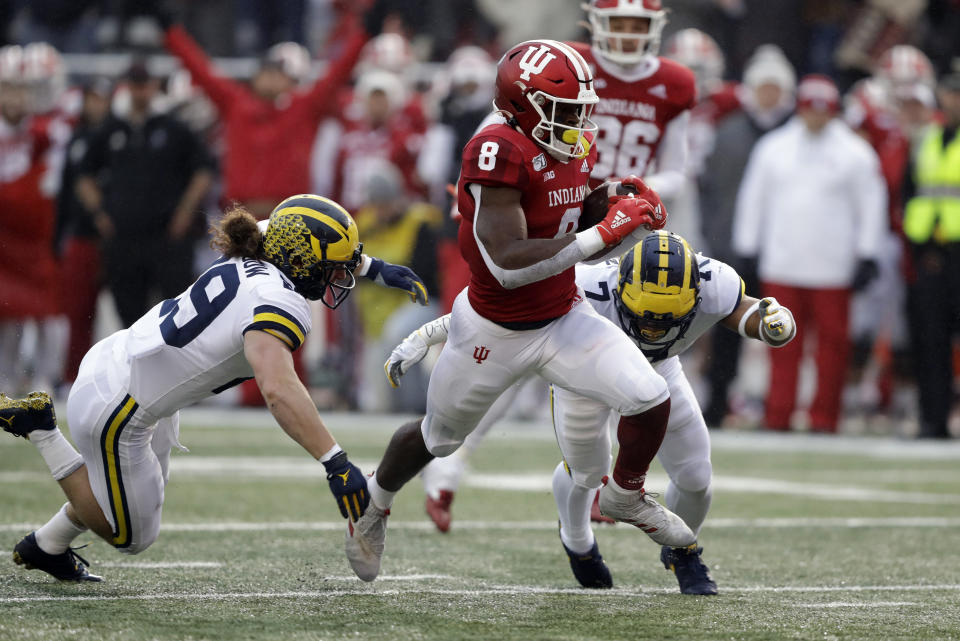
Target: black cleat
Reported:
[(20, 416), (692, 574), (68, 566), (589, 568)]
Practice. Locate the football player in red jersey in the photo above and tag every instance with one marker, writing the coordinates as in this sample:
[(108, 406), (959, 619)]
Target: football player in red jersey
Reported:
[(522, 187), (645, 100), (643, 113)]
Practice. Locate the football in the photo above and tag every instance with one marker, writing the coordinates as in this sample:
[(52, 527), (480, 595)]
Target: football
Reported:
[(597, 202)]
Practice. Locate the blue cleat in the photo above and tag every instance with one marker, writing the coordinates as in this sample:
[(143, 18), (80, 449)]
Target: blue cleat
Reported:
[(68, 566), (692, 574), (589, 568), (20, 416)]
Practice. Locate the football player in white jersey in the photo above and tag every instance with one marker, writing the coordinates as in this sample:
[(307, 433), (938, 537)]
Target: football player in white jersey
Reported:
[(664, 297), (242, 319)]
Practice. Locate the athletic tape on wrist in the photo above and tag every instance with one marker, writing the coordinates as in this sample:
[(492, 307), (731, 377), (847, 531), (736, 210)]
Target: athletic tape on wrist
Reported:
[(742, 327), (333, 451)]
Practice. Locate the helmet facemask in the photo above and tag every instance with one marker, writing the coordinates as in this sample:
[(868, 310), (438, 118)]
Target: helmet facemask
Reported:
[(654, 331), (329, 281), (626, 48), (564, 141)]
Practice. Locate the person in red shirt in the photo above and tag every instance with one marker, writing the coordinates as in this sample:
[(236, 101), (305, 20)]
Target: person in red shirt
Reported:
[(269, 127), (521, 192), (28, 270), (645, 99)]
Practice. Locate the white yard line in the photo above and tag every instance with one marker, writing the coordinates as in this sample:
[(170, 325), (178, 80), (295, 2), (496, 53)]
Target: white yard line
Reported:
[(254, 467), (161, 565), (849, 604), (536, 526), (507, 590)]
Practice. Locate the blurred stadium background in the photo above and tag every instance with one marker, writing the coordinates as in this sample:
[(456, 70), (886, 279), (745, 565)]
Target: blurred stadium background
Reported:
[(384, 141)]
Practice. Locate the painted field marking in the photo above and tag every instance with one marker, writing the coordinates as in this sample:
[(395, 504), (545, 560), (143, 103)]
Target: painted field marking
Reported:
[(250, 467), (493, 590), (849, 604), (160, 565), (532, 526)]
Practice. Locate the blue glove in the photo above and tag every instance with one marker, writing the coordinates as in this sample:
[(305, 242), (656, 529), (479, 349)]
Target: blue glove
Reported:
[(398, 276), (349, 486)]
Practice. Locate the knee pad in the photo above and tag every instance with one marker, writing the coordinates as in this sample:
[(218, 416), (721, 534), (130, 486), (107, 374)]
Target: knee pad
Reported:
[(439, 439), (591, 478), (693, 476), (649, 394), (141, 544)]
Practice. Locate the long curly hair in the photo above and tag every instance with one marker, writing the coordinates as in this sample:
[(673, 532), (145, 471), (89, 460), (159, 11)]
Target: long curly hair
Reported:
[(236, 235)]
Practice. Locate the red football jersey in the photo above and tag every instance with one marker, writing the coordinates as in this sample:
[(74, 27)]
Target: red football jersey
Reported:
[(553, 193), (634, 110)]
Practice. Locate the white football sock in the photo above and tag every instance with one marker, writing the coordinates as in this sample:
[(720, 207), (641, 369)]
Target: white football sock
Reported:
[(57, 452), (573, 505), (382, 498), (692, 507), (58, 533), (443, 473)]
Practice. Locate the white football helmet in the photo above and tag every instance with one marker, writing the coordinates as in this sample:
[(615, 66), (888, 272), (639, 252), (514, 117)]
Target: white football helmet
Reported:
[(698, 51), (44, 70), (11, 64), (905, 65), (611, 43), (386, 52)]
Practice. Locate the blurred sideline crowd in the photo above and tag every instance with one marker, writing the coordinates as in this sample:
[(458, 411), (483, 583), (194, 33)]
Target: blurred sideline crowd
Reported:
[(851, 216)]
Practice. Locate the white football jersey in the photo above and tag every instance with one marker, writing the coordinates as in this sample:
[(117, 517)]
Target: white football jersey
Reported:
[(190, 347), (721, 289)]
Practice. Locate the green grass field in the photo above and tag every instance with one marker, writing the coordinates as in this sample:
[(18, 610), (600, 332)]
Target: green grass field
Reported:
[(808, 538)]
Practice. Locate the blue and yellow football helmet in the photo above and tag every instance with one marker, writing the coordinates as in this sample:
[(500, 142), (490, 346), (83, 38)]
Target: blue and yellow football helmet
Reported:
[(315, 243), (658, 291)]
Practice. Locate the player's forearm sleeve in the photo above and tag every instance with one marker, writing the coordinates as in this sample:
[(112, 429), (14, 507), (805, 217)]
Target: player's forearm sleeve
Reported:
[(671, 159)]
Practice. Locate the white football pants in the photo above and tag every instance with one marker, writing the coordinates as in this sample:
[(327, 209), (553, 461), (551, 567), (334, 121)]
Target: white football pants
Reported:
[(127, 451), (583, 432), (580, 351)]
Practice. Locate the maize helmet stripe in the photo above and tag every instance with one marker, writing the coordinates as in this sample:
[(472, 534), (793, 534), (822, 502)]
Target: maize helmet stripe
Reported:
[(664, 262), (313, 203), (658, 282)]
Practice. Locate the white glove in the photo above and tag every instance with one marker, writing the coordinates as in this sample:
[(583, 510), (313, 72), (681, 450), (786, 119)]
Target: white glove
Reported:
[(404, 356), (777, 327), (414, 347)]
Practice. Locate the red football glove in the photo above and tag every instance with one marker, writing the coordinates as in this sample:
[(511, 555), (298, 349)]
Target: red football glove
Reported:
[(659, 215), (635, 183), (625, 215)]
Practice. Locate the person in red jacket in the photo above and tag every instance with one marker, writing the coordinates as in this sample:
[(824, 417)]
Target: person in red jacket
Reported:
[(269, 127), (29, 283)]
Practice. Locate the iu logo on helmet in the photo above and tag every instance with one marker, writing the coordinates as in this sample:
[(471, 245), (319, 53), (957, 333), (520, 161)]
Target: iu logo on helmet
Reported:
[(535, 60), (480, 353)]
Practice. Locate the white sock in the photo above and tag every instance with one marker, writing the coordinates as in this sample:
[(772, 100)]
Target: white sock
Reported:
[(443, 473), (62, 459), (692, 507), (58, 533), (573, 505), (620, 491), (382, 498)]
